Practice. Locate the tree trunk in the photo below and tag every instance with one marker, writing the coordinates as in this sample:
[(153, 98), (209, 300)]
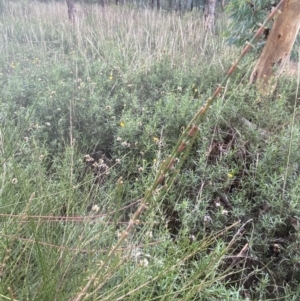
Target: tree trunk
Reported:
[(189, 5), (192, 5), (178, 5), (152, 4), (279, 44), (209, 15), (223, 4), (71, 10), (101, 2)]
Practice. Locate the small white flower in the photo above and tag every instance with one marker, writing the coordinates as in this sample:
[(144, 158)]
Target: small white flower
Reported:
[(149, 234), (14, 181), (192, 237), (207, 219), (125, 144), (217, 204), (136, 253), (95, 208), (144, 262), (88, 158)]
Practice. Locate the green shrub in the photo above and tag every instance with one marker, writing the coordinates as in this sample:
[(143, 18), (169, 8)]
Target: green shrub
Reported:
[(89, 113)]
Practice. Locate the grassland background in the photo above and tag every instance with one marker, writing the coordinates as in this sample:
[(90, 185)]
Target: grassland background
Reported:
[(88, 112)]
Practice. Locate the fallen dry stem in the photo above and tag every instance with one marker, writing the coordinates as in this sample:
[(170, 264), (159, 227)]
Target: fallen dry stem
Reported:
[(180, 151)]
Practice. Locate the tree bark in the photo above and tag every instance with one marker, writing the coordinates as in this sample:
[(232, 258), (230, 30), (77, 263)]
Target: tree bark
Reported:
[(191, 6), (279, 44), (152, 4), (71, 10), (209, 15), (101, 2), (223, 4), (178, 5)]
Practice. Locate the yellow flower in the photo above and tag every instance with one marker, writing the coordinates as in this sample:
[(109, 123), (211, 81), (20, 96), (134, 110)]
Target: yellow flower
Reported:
[(110, 78), (155, 139), (230, 176), (122, 124)]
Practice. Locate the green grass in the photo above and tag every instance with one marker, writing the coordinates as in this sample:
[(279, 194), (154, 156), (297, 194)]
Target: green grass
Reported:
[(88, 113)]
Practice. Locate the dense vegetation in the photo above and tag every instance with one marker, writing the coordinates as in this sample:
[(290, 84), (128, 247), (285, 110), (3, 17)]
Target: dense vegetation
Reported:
[(89, 111)]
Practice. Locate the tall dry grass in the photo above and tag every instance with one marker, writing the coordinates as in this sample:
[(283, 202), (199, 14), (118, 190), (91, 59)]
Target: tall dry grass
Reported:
[(138, 38), (65, 83)]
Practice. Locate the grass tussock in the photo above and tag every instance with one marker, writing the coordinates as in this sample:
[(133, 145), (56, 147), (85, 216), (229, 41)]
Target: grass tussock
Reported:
[(88, 113)]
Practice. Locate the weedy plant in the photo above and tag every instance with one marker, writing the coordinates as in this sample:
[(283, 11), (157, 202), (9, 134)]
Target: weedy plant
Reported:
[(90, 111)]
